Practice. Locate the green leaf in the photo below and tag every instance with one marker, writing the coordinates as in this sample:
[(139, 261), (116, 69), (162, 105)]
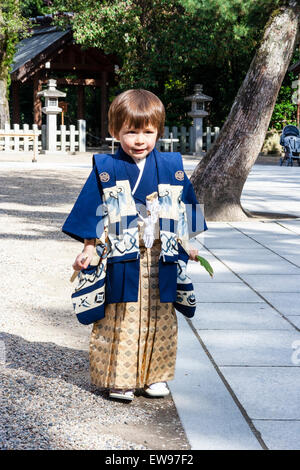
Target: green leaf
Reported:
[(206, 265)]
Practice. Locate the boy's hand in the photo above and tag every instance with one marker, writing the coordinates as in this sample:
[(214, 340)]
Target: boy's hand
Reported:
[(83, 259), (193, 253)]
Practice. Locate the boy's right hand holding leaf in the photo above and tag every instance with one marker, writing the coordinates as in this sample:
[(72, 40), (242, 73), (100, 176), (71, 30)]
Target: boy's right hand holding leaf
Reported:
[(193, 252)]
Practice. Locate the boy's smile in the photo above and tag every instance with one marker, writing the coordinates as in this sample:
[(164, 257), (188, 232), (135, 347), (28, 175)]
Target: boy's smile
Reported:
[(138, 143)]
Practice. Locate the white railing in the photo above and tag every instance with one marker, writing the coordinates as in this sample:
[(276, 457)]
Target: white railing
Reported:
[(186, 139), (71, 139), (15, 139), (20, 140), (168, 142), (180, 139), (176, 139)]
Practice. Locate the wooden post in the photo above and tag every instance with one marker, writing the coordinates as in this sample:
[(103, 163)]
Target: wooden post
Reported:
[(81, 102), (81, 135), (26, 140), (175, 136), (208, 138), (72, 138), (6, 138), (35, 142), (15, 87), (44, 136), (37, 103), (191, 139), (216, 133), (182, 139), (166, 136), (62, 137), (16, 140), (103, 110)]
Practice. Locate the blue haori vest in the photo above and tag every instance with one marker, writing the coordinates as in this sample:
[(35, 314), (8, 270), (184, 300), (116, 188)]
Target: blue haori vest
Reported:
[(178, 221)]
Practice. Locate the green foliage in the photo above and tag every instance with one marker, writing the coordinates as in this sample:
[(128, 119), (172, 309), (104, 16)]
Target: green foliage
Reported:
[(167, 46), (205, 264), (12, 26), (32, 8), (285, 110)]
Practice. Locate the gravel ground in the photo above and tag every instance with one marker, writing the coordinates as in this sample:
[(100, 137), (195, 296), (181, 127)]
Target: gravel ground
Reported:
[(47, 401)]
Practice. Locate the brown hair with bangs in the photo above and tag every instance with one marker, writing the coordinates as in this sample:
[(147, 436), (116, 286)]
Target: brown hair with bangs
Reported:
[(136, 108)]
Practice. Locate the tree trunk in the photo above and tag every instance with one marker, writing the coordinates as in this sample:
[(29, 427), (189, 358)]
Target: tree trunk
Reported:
[(219, 178), (4, 109)]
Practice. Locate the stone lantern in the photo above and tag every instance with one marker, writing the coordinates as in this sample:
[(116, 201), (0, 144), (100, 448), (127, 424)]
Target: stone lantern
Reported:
[(51, 109), (198, 113)]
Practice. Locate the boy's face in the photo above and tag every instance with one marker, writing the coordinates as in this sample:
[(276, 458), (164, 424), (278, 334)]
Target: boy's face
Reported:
[(137, 143)]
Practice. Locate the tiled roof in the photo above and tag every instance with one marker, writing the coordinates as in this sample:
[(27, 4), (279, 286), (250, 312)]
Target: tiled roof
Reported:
[(31, 47)]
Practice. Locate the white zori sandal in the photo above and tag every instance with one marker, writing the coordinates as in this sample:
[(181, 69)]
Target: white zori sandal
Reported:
[(121, 394), (158, 389)]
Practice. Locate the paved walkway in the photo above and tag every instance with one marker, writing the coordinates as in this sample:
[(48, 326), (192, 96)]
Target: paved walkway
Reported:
[(238, 377)]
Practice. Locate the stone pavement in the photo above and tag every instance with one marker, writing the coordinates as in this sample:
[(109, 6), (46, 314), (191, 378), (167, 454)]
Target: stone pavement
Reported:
[(237, 383), (238, 377)]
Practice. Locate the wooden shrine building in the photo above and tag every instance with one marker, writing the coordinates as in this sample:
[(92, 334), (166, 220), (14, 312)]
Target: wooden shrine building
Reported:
[(52, 53)]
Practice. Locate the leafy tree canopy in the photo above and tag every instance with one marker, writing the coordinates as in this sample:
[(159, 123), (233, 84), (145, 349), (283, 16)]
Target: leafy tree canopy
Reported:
[(32, 8), (14, 26), (169, 45), (163, 45)]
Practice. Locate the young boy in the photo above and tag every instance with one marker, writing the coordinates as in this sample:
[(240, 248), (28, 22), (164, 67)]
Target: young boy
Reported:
[(147, 204)]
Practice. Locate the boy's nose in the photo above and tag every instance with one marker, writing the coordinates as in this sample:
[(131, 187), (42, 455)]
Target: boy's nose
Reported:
[(139, 138)]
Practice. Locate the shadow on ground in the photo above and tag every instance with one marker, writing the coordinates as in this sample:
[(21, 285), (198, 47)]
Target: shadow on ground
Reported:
[(46, 387)]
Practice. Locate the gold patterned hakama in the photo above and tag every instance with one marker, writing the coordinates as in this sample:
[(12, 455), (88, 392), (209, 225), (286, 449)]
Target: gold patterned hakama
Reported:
[(135, 343)]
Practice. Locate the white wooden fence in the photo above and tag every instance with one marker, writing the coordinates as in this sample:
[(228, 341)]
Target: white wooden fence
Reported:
[(180, 139), (71, 139), (18, 140), (184, 140), (177, 139), (12, 140)]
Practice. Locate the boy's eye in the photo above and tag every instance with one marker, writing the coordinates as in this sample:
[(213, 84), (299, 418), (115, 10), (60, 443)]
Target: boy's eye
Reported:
[(147, 131)]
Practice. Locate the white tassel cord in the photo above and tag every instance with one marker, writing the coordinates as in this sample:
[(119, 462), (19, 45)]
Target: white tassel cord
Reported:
[(150, 221)]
